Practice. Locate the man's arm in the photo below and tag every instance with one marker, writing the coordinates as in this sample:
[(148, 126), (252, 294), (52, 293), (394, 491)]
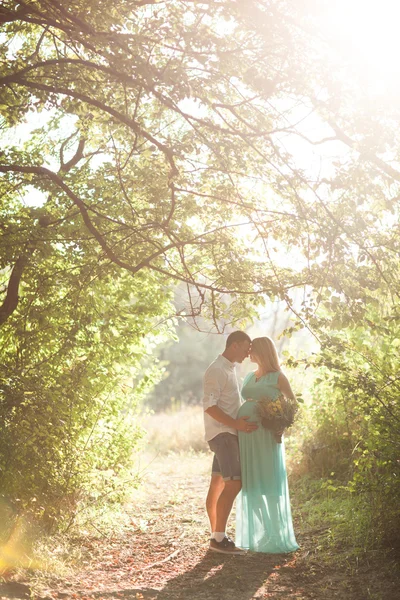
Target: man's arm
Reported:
[(240, 424), (213, 384)]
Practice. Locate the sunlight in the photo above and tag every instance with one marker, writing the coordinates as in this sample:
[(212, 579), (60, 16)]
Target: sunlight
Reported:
[(15, 551), (367, 33)]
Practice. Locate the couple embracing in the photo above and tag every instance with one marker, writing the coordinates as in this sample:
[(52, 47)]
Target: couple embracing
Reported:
[(247, 457)]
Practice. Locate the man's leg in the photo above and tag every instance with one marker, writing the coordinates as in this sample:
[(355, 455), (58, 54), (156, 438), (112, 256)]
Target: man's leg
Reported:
[(214, 492), (225, 503), (225, 486)]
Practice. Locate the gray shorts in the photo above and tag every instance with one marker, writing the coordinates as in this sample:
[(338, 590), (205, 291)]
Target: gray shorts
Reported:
[(226, 456)]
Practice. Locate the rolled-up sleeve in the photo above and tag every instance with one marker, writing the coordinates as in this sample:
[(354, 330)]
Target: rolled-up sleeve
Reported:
[(212, 384)]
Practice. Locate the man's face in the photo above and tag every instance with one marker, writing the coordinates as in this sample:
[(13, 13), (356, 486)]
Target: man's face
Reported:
[(242, 351)]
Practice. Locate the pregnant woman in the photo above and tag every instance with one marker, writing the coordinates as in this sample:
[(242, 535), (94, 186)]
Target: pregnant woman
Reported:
[(263, 514)]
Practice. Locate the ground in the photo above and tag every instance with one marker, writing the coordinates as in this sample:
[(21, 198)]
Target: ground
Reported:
[(163, 554)]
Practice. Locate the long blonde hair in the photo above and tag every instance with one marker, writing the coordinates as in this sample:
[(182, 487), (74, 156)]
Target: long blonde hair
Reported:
[(265, 351)]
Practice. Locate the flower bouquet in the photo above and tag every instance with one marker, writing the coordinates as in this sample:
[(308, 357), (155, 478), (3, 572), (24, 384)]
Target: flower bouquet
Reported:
[(277, 415)]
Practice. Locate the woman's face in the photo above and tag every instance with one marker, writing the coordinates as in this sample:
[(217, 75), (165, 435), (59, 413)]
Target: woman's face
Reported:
[(253, 357)]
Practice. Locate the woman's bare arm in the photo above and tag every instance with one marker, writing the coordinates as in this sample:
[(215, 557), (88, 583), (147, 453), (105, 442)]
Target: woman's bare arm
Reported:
[(284, 386)]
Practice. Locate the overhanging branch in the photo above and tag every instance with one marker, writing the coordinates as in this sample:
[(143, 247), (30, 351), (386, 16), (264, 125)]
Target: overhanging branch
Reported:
[(145, 263), (12, 296)]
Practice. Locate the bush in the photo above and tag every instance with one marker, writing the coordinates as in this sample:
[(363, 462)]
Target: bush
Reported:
[(356, 414), (71, 380)]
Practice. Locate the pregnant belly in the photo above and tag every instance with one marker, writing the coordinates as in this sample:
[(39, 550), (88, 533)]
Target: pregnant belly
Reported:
[(248, 409)]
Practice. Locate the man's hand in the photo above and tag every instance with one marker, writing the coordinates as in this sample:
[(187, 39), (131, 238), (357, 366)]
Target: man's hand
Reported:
[(240, 424), (243, 424)]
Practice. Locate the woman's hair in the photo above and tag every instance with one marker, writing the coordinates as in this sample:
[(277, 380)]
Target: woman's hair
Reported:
[(264, 349)]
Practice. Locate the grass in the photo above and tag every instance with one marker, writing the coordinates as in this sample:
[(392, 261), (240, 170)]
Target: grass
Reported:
[(179, 431), (342, 531)]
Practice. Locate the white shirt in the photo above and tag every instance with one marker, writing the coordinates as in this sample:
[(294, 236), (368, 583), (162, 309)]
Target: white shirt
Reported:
[(220, 389)]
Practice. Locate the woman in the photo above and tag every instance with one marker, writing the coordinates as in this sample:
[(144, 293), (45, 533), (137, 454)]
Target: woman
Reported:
[(263, 515)]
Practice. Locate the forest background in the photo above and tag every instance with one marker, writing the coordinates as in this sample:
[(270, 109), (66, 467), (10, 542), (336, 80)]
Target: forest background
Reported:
[(195, 162)]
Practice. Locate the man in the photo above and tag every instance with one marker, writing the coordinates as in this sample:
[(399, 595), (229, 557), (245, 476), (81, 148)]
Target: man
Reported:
[(221, 405)]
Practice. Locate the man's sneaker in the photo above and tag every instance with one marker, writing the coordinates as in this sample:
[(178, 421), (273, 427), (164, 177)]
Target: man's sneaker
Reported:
[(227, 546)]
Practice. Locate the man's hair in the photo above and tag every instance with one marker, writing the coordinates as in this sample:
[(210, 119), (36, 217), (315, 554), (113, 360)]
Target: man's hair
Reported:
[(237, 336)]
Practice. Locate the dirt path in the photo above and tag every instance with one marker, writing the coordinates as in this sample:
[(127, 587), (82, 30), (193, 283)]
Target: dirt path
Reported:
[(164, 555)]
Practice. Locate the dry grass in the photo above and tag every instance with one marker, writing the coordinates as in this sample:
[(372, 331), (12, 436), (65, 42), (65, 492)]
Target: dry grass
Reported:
[(180, 431)]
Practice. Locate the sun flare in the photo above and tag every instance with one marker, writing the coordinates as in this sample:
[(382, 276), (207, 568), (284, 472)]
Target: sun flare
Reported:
[(367, 34)]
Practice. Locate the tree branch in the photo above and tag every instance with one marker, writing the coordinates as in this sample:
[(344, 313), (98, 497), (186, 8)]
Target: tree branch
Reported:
[(111, 111), (65, 167), (11, 300), (43, 171)]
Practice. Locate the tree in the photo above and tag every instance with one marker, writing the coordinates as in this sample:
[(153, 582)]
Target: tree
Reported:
[(162, 114)]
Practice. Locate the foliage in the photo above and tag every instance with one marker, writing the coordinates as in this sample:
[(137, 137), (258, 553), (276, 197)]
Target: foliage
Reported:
[(357, 416), (72, 374), (163, 146)]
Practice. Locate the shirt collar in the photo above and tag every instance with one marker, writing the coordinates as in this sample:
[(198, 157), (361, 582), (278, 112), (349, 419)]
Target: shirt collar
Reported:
[(227, 363)]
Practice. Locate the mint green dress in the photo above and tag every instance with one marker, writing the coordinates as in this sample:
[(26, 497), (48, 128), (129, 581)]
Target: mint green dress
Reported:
[(263, 514)]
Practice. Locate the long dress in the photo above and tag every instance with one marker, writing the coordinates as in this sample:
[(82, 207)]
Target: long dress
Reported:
[(263, 514)]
